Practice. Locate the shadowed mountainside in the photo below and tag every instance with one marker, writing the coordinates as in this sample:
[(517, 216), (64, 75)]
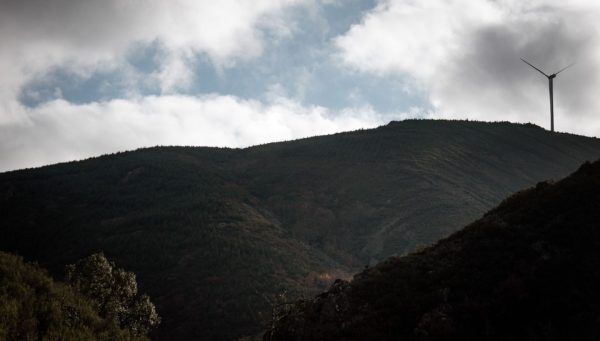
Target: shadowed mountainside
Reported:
[(527, 270), (213, 234)]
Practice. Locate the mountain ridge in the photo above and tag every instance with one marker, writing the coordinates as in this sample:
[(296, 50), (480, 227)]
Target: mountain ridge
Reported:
[(227, 230)]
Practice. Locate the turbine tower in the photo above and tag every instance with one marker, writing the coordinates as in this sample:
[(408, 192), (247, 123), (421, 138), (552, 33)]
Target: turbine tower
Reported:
[(550, 78)]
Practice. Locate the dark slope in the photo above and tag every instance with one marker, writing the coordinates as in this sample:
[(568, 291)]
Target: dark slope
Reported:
[(213, 233), (527, 270), (198, 242)]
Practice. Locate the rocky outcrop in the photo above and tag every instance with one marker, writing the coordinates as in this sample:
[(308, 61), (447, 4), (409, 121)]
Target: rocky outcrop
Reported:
[(328, 310)]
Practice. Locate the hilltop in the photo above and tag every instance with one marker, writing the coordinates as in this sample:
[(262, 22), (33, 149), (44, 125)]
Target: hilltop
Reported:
[(527, 270), (214, 234)]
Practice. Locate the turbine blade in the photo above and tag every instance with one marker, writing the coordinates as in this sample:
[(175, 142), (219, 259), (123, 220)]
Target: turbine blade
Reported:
[(540, 71), (563, 69)]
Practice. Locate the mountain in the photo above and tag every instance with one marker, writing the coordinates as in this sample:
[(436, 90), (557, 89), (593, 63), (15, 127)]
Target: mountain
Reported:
[(215, 235), (34, 307), (527, 270)]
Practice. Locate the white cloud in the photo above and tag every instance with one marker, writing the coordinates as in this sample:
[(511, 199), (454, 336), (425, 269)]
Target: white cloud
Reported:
[(465, 54), (411, 37), (60, 131), (88, 36)]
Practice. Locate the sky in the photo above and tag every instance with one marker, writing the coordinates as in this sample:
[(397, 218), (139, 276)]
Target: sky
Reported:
[(81, 78)]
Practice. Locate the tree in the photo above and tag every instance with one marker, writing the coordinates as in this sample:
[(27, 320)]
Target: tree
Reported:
[(35, 307), (114, 292)]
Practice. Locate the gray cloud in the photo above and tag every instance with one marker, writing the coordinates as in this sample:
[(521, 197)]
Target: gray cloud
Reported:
[(493, 67), (466, 55), (86, 36)]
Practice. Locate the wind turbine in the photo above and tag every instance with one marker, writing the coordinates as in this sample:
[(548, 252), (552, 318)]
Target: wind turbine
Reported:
[(550, 78)]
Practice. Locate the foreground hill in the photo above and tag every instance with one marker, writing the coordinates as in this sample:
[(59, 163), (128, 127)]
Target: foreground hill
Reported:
[(34, 307), (527, 270), (214, 234)]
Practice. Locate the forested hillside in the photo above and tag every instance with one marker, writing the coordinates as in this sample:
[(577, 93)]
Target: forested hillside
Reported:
[(527, 270), (214, 234), (35, 307)]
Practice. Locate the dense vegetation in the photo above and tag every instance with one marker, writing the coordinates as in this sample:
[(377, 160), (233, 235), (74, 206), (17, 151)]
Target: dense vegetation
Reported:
[(113, 293), (34, 307), (214, 234), (527, 270)]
